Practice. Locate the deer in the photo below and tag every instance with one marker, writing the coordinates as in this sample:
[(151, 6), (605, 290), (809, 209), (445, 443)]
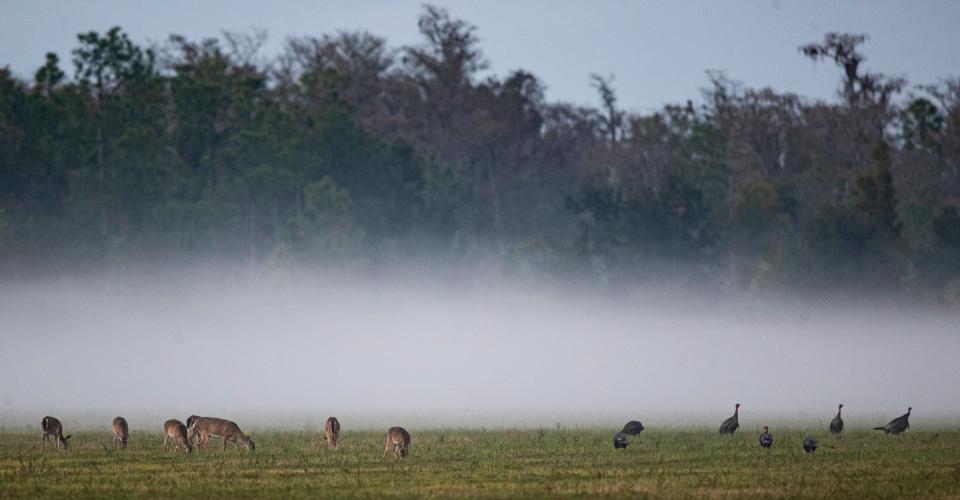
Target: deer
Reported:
[(204, 427), (192, 435), (331, 429), (174, 430), (53, 427), (399, 439), (192, 419), (121, 432)]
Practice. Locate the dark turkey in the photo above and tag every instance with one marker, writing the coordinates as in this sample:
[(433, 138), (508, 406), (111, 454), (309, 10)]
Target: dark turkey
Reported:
[(836, 425), (766, 440), (620, 440), (730, 425), (632, 428), (810, 444), (897, 425)]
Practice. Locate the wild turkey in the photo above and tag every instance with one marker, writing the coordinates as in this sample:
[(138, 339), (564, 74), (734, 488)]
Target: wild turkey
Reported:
[(810, 444), (897, 425), (730, 425), (632, 428), (766, 440), (836, 425), (620, 440)]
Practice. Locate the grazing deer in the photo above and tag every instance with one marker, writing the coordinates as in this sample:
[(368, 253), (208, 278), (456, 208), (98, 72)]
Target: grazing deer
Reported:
[(224, 429), (331, 430), (121, 432), (52, 427), (174, 430), (399, 439)]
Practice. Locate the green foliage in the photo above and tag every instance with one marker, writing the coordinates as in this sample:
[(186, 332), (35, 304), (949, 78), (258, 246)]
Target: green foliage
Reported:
[(920, 123), (756, 206), (338, 150), (107, 62), (4, 228), (326, 227), (874, 197)]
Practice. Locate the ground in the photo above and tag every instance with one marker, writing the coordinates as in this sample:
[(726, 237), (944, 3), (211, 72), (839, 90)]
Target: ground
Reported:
[(492, 463)]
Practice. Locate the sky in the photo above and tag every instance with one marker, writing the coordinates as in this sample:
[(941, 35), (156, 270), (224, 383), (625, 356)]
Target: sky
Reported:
[(657, 51)]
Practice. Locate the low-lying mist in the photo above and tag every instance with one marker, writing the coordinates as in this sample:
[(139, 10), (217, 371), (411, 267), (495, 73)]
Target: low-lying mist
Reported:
[(288, 349)]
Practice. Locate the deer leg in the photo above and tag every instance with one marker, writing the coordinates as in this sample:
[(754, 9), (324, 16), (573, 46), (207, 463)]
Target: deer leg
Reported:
[(165, 442)]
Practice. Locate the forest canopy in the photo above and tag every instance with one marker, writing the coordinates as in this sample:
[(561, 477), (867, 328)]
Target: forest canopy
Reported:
[(344, 149)]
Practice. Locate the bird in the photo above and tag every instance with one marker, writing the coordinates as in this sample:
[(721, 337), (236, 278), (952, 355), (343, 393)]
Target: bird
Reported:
[(632, 428), (897, 425), (810, 444), (730, 425), (766, 440), (620, 440), (836, 425)]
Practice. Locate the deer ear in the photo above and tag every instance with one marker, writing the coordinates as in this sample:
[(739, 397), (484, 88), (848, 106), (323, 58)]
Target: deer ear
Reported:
[(67, 436)]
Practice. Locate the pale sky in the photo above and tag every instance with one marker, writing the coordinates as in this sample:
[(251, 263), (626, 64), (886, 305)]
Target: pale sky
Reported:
[(657, 50)]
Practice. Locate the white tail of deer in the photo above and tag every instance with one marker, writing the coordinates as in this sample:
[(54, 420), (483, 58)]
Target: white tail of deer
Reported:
[(175, 431), (204, 427), (331, 430), (399, 439), (52, 427), (121, 432)]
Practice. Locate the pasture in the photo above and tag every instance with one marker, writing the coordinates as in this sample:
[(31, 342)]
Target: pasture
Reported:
[(491, 463)]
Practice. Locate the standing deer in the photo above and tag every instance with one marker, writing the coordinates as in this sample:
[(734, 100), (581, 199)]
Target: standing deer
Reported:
[(52, 427), (399, 439), (226, 430), (175, 431), (121, 432), (331, 429)]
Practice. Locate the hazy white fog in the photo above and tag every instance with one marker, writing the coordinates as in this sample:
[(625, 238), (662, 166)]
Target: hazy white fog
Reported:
[(289, 349)]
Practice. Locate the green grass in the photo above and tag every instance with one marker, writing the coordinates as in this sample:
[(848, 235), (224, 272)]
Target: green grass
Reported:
[(499, 463)]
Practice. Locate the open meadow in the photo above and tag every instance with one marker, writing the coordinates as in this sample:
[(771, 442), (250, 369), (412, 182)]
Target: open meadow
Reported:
[(492, 463)]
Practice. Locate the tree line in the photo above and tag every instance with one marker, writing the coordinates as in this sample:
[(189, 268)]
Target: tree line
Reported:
[(342, 148)]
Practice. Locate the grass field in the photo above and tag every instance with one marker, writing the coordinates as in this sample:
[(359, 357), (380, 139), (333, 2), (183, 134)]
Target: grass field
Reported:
[(495, 463)]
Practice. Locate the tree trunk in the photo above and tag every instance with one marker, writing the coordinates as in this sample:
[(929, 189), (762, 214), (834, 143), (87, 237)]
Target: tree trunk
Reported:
[(495, 202)]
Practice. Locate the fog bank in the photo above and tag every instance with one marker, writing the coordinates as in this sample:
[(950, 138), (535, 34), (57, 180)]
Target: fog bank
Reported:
[(289, 349)]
